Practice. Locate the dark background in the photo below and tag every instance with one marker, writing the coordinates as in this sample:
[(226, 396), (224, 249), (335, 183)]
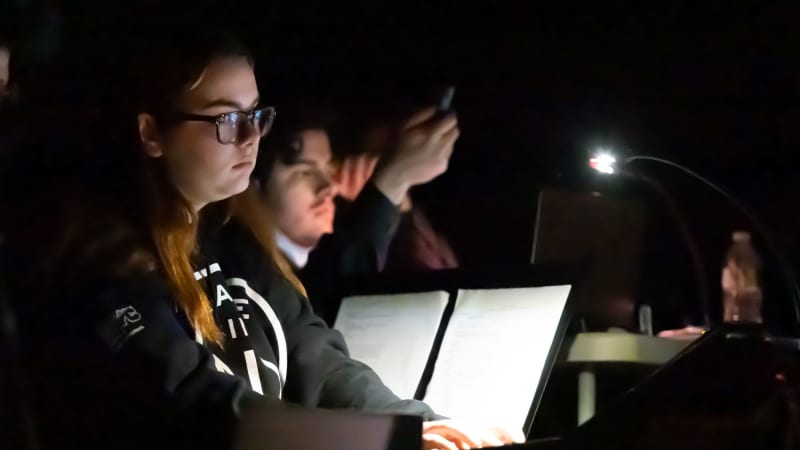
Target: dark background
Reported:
[(714, 87)]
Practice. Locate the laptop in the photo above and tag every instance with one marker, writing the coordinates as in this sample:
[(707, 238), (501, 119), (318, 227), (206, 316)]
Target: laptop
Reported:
[(603, 233)]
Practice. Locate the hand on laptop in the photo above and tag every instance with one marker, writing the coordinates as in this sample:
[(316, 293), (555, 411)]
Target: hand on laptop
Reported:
[(453, 435)]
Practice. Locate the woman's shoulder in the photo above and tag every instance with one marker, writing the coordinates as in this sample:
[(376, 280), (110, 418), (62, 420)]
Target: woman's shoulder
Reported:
[(242, 255), (92, 266), (111, 242)]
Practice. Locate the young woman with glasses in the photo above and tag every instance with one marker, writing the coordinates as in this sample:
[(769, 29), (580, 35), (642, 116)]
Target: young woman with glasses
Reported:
[(158, 309)]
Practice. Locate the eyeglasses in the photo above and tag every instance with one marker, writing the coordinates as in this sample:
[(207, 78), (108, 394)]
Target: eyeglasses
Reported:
[(232, 126)]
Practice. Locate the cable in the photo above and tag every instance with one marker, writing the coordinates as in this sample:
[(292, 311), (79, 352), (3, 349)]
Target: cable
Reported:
[(691, 244), (785, 267)]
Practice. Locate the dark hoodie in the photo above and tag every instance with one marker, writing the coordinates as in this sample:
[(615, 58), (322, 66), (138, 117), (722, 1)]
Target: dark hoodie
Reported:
[(114, 364)]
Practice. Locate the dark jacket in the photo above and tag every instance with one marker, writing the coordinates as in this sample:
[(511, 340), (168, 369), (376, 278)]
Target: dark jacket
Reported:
[(363, 233), (418, 247), (115, 364), (371, 235)]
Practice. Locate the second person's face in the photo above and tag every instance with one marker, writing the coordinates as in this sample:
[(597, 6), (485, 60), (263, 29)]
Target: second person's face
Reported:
[(301, 194)]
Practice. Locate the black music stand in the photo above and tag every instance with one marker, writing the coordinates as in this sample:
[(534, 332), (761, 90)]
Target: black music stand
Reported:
[(606, 234), (734, 388)]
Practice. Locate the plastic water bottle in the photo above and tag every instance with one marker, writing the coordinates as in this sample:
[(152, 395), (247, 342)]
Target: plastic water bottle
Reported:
[(742, 295)]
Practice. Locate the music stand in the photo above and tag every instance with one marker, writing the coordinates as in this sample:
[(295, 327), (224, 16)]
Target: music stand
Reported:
[(603, 233)]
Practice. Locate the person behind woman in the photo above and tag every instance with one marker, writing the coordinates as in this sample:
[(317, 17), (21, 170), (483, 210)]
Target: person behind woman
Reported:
[(295, 175), (154, 306), (416, 245)]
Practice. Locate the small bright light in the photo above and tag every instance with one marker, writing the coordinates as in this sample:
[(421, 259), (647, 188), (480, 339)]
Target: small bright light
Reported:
[(603, 162)]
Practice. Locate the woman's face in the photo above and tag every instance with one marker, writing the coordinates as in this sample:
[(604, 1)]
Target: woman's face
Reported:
[(203, 169), (301, 194)]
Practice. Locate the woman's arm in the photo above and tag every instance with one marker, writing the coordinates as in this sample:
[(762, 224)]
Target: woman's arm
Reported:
[(125, 365), (321, 372)]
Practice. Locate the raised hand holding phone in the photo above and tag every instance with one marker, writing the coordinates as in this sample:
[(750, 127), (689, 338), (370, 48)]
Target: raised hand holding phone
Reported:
[(422, 150), (446, 101)]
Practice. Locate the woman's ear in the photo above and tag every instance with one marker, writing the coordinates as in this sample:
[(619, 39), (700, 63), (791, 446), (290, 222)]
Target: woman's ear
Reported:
[(148, 133)]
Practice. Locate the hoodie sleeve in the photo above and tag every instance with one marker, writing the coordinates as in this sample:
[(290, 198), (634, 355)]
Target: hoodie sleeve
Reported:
[(320, 370), (128, 368)]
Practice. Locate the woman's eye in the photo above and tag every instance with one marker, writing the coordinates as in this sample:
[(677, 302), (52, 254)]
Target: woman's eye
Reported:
[(229, 120)]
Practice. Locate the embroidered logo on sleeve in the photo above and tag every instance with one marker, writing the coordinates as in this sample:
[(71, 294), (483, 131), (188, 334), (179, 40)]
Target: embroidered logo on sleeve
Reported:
[(125, 323), (129, 316)]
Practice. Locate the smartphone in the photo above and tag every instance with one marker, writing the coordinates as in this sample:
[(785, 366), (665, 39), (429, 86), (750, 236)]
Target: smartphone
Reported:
[(446, 101)]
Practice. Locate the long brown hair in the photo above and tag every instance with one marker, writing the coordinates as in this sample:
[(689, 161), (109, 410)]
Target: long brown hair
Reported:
[(127, 216), (175, 239), (172, 224)]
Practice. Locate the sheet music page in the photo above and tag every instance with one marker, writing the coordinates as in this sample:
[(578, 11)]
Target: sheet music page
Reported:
[(493, 354), (393, 334)]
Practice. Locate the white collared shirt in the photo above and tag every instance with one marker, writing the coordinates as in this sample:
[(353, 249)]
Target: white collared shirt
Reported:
[(297, 254)]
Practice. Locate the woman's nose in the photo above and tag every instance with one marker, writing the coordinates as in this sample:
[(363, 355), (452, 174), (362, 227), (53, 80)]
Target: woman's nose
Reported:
[(248, 135)]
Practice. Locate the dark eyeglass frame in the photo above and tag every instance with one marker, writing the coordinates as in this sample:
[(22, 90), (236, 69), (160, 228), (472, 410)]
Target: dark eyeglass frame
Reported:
[(219, 120)]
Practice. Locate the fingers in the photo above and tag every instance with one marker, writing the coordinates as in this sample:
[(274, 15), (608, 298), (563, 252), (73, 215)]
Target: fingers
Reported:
[(492, 441), (451, 136), (435, 442), (365, 167), (343, 171), (449, 142), (437, 127), (507, 437), (420, 117), (444, 125), (353, 173), (344, 177), (373, 162), (452, 434)]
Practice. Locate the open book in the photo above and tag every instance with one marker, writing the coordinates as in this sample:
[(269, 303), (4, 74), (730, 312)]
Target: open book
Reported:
[(478, 357)]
